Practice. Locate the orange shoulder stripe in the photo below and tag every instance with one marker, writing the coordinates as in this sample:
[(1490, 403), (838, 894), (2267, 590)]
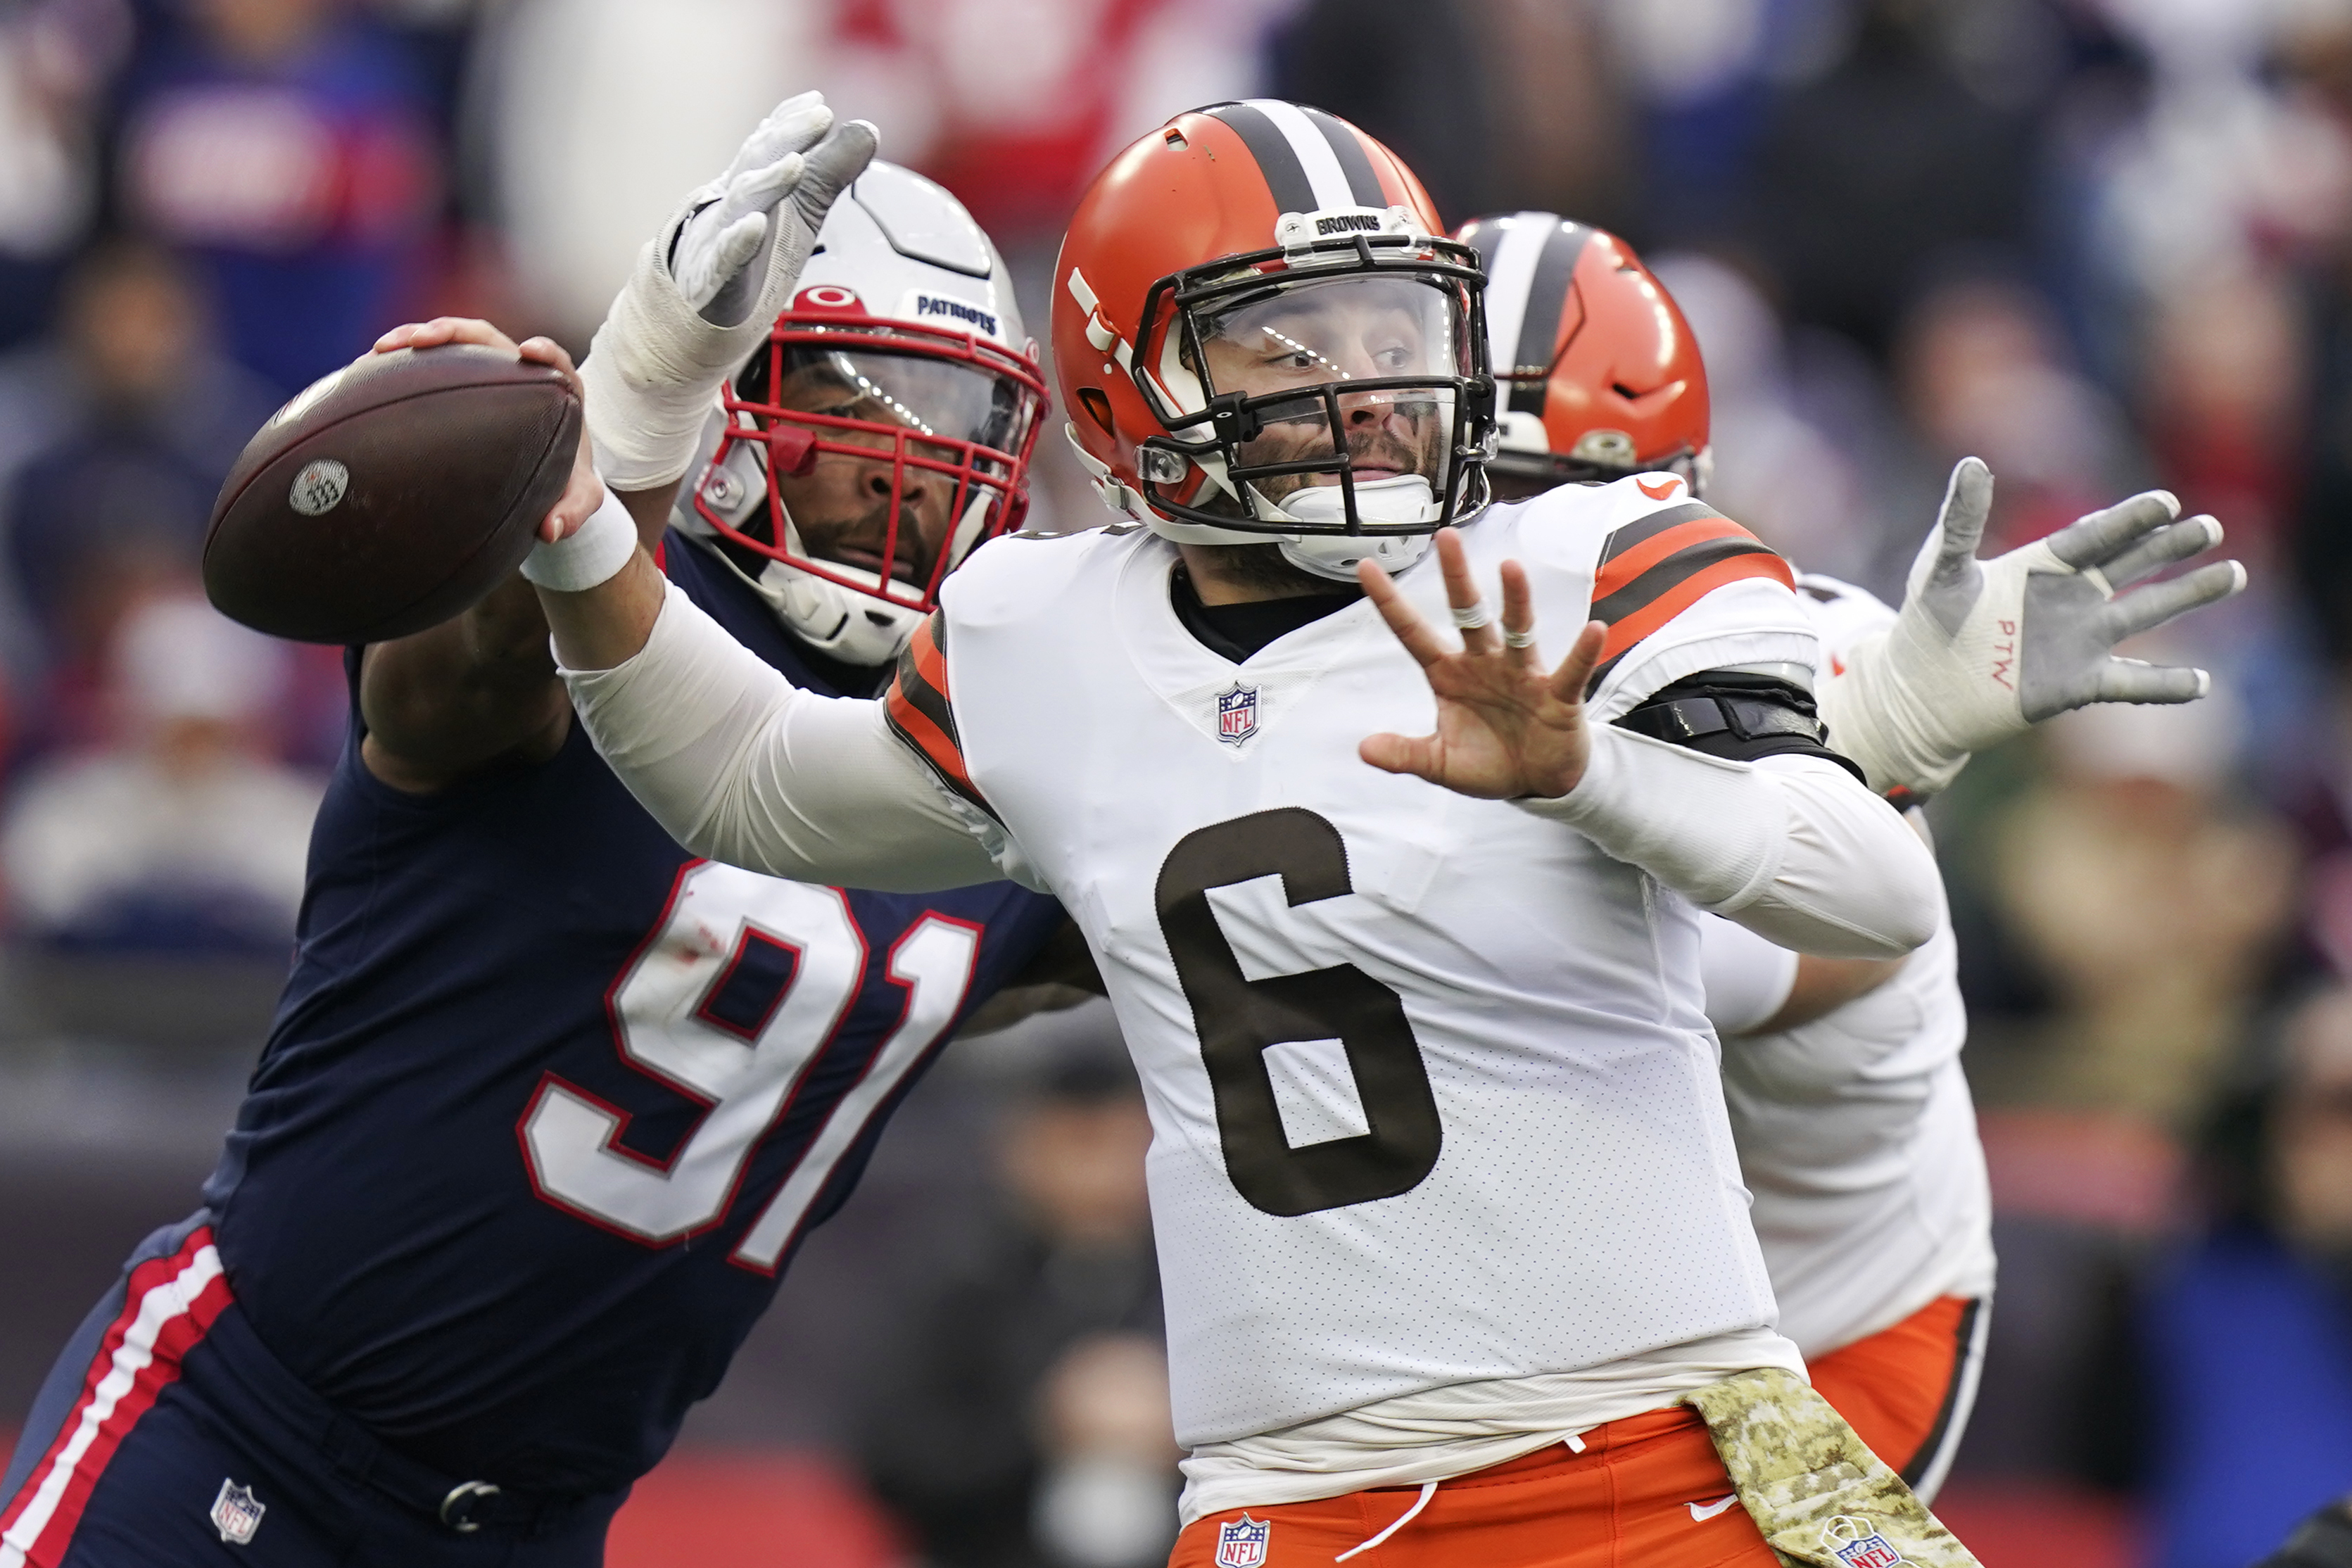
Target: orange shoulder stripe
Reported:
[(917, 726), (1625, 568), (1624, 634)]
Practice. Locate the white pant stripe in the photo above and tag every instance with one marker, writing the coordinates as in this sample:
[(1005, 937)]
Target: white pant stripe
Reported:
[(157, 1307)]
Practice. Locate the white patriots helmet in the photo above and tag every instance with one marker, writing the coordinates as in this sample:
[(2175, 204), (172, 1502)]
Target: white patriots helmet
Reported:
[(906, 305)]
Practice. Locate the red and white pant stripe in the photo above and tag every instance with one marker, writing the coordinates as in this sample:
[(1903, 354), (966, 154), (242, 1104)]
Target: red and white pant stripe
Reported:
[(170, 1304)]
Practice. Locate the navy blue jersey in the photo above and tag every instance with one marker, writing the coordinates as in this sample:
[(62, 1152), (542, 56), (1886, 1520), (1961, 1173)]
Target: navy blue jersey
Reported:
[(549, 1103)]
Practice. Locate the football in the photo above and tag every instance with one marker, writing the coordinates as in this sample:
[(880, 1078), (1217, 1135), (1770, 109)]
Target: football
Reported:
[(390, 495)]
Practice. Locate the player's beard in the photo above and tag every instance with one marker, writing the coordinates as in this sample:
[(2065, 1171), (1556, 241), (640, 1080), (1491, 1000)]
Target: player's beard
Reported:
[(1378, 448), (1261, 569), (859, 543)]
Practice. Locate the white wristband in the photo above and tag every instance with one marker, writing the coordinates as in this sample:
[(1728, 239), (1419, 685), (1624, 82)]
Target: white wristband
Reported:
[(601, 547)]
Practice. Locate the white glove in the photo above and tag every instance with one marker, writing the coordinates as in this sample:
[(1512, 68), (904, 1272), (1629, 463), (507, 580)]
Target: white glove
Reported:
[(706, 290), (1983, 650)]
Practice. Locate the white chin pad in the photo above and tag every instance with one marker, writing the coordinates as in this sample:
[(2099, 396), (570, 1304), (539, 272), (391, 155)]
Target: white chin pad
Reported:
[(1402, 498), (1334, 555)]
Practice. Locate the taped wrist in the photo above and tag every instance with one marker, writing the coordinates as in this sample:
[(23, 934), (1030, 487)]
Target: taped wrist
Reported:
[(595, 553), (1734, 715), (655, 364), (1872, 716)]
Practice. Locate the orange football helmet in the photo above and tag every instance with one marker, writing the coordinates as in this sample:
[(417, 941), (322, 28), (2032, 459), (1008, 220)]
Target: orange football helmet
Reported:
[(1278, 243), (1601, 376)]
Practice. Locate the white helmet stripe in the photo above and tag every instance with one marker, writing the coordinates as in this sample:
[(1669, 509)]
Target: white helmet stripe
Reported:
[(1325, 177), (1511, 275)]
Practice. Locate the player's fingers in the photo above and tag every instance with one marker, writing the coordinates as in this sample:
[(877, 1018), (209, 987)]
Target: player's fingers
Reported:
[(1575, 671), (1960, 524), (793, 126), (2100, 537), (1410, 629), (796, 124), (1519, 616), (2173, 542), (582, 494), (546, 350), (737, 243), (1473, 617), (1415, 754), (830, 164), (757, 190), (2143, 609), (2133, 680), (448, 329)]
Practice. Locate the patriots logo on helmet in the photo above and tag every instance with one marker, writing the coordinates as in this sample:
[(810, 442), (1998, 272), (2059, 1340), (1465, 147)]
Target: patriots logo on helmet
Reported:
[(1241, 1542)]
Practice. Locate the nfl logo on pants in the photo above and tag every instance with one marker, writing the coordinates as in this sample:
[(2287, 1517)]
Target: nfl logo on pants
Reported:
[(1242, 1543), (236, 1513), (1857, 1544)]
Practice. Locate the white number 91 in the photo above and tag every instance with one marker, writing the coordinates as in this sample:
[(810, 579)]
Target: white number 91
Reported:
[(745, 1070)]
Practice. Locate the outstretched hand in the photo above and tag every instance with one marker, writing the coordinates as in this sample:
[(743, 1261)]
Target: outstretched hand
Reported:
[(2061, 600), (1505, 728), (787, 173)]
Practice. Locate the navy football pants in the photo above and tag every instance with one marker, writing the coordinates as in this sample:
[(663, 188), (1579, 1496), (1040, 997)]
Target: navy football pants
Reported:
[(168, 1436)]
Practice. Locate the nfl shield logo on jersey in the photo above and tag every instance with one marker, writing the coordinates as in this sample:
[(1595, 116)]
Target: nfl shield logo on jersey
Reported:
[(1236, 716), (236, 1513), (1858, 1545), (1242, 1543)]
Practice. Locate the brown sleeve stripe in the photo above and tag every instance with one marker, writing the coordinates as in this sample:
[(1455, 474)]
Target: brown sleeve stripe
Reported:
[(1650, 527), (919, 711), (1709, 544), (1636, 562), (1687, 589)]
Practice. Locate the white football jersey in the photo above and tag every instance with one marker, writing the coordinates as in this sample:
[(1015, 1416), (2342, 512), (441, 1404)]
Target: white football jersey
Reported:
[(1433, 1094), (1857, 1132)]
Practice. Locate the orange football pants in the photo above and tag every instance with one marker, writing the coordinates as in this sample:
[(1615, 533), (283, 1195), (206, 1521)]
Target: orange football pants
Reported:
[(1647, 1490), (1900, 1388)]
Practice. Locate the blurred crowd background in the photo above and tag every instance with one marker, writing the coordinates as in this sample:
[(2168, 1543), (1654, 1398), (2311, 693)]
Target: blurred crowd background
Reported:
[(2103, 244)]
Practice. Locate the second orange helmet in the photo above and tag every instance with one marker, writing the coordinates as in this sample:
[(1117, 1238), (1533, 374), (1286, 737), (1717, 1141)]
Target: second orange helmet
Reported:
[(1597, 373)]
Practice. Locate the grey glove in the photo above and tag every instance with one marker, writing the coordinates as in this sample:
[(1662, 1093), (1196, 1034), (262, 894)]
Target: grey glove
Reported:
[(1983, 649), (657, 361)]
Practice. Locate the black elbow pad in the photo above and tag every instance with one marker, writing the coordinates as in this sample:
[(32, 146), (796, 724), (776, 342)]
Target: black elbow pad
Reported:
[(1736, 715)]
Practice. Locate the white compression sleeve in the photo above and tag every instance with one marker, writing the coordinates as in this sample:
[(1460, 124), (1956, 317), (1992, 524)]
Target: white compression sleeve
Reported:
[(740, 765), (1791, 846), (1747, 979)]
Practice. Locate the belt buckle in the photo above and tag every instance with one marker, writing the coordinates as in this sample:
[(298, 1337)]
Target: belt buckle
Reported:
[(458, 1508)]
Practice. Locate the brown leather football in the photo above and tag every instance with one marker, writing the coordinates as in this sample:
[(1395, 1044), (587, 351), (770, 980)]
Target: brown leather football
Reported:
[(391, 495)]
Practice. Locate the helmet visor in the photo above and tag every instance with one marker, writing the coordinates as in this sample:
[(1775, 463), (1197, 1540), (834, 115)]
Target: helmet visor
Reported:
[(885, 461), (1348, 383), (937, 402)]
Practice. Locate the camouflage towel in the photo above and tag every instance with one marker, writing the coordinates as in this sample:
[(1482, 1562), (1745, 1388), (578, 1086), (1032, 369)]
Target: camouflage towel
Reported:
[(1822, 1499)]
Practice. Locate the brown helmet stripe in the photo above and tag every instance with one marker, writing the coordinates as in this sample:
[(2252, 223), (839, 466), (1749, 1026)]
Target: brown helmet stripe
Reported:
[(1547, 298), (1364, 182), (1286, 177)]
